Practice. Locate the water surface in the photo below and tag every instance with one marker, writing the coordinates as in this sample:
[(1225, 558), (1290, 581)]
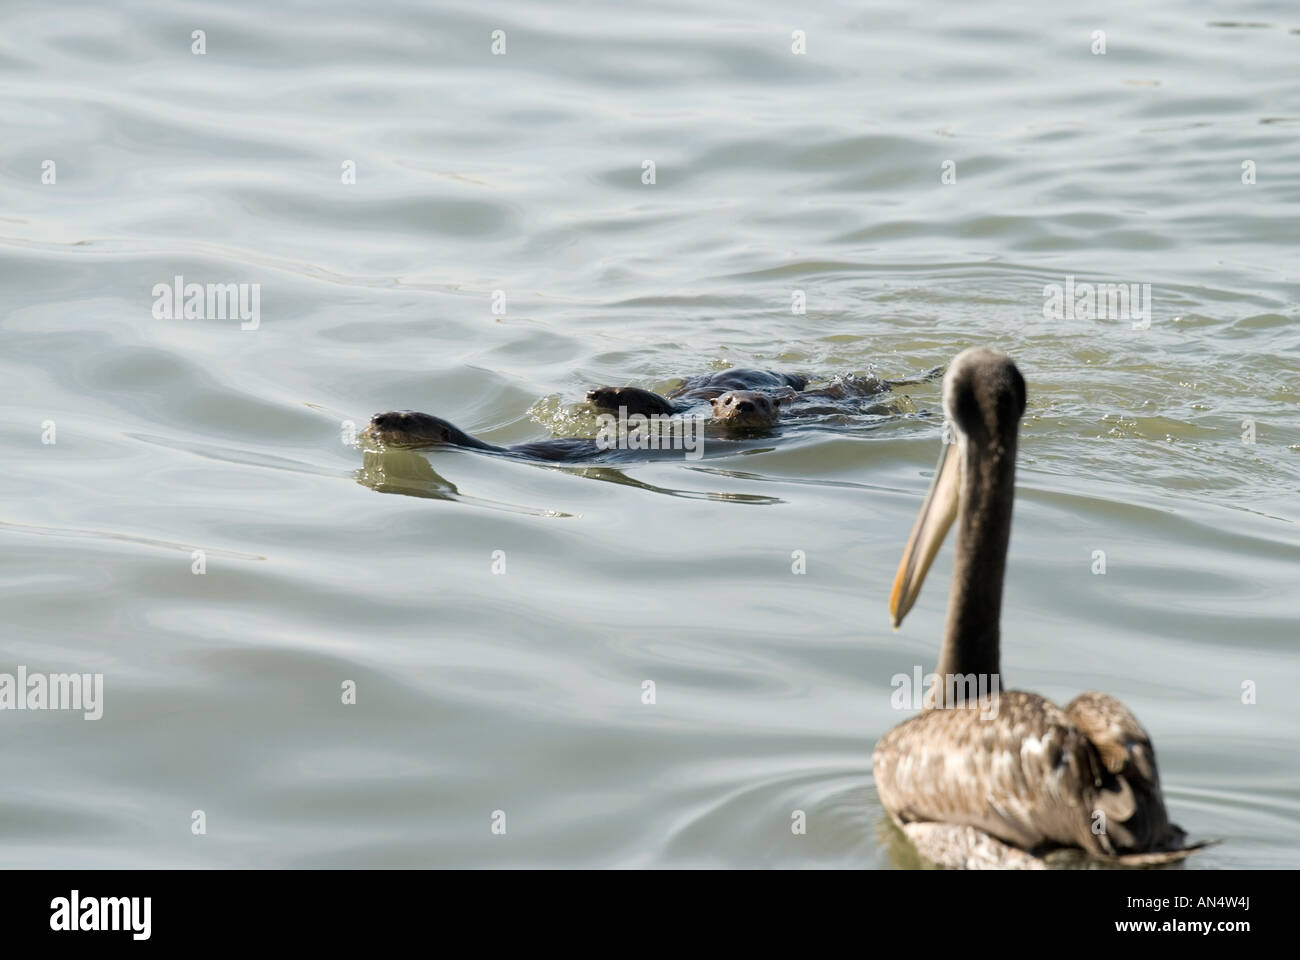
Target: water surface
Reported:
[(475, 173)]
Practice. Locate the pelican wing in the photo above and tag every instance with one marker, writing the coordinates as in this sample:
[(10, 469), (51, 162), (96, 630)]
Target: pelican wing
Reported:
[(1130, 762), (1023, 773)]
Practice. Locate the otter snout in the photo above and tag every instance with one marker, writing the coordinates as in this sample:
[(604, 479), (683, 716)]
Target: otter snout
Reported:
[(384, 427), (746, 408)]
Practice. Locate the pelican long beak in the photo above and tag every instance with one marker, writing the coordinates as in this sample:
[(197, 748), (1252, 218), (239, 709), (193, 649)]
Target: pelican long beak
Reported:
[(937, 515)]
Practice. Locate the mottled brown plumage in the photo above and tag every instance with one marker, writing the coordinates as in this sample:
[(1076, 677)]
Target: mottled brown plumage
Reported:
[(1006, 780)]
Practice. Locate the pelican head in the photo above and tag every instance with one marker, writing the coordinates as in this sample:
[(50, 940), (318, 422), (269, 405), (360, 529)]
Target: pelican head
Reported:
[(983, 401)]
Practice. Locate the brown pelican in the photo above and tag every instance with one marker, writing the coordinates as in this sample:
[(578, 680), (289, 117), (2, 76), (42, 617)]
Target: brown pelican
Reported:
[(983, 777)]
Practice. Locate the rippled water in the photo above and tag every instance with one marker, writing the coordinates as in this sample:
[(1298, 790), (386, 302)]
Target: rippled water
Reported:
[(522, 173)]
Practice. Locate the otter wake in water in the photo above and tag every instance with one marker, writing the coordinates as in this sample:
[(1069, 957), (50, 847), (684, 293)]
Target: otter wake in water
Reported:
[(740, 402)]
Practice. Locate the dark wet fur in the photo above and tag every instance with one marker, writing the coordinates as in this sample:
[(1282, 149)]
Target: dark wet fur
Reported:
[(747, 403), (751, 398)]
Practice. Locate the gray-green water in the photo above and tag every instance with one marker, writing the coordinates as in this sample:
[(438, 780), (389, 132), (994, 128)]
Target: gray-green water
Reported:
[(775, 172)]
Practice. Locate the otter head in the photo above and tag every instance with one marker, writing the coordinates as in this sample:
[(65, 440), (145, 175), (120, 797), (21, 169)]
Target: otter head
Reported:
[(632, 399), (746, 408), (405, 428)]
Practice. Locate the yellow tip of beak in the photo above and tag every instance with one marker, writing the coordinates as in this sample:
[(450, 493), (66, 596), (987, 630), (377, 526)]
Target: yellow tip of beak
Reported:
[(932, 524)]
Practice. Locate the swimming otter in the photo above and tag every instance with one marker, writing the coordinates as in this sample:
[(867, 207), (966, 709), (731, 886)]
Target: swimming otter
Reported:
[(742, 401), (743, 398), (407, 428)]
